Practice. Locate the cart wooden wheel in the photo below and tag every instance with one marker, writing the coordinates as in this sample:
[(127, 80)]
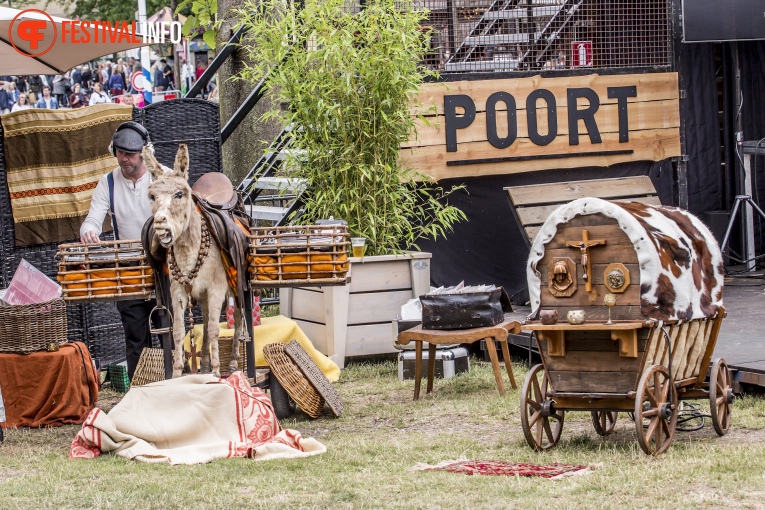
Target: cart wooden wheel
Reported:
[(720, 396), (604, 421), (655, 410), (538, 411)]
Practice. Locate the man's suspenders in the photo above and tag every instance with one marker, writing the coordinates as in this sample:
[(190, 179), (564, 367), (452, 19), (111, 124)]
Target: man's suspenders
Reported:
[(110, 180)]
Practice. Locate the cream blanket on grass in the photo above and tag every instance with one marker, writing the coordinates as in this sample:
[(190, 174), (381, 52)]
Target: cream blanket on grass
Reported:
[(191, 420)]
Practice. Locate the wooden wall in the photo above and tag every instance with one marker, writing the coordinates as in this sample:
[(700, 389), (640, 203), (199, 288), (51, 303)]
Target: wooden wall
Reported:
[(652, 116)]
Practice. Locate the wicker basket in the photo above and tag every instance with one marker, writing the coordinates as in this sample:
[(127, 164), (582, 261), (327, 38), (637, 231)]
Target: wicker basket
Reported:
[(109, 271), (292, 379), (299, 255), (224, 356), (30, 328), (150, 368)]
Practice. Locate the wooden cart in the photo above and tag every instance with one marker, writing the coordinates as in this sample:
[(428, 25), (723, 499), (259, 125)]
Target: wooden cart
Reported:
[(664, 268)]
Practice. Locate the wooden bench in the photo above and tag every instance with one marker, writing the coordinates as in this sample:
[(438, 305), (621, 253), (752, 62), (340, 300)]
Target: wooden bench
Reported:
[(534, 203), (492, 335)]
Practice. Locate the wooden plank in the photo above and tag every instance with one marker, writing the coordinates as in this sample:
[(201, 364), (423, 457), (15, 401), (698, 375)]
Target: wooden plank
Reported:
[(568, 191), (308, 305), (389, 275), (606, 255), (641, 116), (597, 273), (593, 361), (648, 145), (596, 341), (627, 343), (316, 333), (699, 347), (376, 306), (600, 313), (650, 87), (593, 382), (536, 215), (584, 299), (600, 401), (369, 339)]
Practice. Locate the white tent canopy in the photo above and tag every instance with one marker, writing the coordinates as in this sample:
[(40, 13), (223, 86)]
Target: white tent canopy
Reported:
[(63, 54)]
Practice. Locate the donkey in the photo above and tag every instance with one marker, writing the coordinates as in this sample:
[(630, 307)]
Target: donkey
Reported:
[(194, 260)]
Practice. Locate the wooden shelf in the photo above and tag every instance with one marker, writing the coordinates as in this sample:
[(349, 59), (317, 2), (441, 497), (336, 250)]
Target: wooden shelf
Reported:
[(624, 332), (587, 326)]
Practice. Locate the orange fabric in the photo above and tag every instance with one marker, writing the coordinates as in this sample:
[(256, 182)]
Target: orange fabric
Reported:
[(48, 388)]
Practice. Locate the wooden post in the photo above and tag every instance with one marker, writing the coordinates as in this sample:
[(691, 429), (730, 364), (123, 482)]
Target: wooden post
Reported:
[(336, 313)]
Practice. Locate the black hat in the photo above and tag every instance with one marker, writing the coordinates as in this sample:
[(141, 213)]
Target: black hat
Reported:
[(130, 137)]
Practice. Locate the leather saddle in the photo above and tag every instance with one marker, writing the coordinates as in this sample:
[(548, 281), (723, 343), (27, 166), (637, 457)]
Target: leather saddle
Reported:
[(216, 190)]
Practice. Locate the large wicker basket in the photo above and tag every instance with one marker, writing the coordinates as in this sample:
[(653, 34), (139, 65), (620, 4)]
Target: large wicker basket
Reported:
[(299, 255), (109, 271), (298, 387), (30, 328)]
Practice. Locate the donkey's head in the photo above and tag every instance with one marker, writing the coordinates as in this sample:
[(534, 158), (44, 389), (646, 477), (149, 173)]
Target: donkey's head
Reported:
[(170, 196)]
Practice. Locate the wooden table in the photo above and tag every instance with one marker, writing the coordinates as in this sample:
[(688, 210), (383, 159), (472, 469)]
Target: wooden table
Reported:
[(435, 337)]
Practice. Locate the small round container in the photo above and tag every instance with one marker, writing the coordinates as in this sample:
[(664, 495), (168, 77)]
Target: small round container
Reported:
[(576, 316)]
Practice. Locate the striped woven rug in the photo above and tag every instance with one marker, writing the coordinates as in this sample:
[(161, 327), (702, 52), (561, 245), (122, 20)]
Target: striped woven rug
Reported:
[(54, 160)]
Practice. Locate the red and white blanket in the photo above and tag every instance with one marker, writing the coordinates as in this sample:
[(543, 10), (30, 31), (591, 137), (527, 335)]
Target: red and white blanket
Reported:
[(191, 420)]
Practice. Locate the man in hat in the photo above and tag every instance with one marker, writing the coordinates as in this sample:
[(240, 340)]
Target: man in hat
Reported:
[(124, 194)]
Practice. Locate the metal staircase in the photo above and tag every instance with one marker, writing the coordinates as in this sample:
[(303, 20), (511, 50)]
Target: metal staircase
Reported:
[(510, 24), (268, 197)]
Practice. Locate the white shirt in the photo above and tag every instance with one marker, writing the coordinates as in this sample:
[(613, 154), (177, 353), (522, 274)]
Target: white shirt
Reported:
[(131, 205), (18, 107), (98, 97)]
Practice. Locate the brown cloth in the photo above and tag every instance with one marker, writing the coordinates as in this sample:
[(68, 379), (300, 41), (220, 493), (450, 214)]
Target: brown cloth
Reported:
[(48, 388)]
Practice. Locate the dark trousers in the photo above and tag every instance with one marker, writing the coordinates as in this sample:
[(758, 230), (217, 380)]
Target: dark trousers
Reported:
[(135, 321)]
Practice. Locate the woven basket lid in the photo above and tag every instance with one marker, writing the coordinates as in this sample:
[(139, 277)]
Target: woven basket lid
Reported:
[(315, 376), (292, 379)]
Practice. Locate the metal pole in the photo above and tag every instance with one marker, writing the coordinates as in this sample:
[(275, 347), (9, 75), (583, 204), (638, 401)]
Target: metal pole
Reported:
[(744, 172), (145, 58)]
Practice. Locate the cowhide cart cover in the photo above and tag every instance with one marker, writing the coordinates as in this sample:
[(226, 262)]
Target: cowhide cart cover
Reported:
[(681, 267)]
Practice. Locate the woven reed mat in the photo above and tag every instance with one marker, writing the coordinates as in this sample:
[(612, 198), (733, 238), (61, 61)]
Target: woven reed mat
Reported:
[(54, 160), (150, 368), (313, 373), (500, 468), (292, 379)]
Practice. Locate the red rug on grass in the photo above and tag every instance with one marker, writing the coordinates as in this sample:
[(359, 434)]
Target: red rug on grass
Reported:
[(499, 468)]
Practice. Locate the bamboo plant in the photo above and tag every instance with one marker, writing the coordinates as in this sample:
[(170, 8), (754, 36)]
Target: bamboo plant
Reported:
[(350, 77)]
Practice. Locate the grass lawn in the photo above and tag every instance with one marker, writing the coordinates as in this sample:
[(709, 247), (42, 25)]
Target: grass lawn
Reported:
[(382, 434)]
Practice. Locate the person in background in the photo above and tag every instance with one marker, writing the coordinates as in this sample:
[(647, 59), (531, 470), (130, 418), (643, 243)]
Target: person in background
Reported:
[(21, 84), (59, 88), (87, 77), (127, 99), (35, 84), (167, 72), (201, 68), (13, 93), (21, 104), (32, 100), (98, 96), (160, 84), (187, 75), (5, 104), (47, 101), (117, 81), (105, 72), (76, 77), (77, 99)]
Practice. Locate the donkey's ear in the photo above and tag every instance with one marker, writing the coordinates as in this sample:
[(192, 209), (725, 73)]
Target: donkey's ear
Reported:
[(181, 166), (152, 165)]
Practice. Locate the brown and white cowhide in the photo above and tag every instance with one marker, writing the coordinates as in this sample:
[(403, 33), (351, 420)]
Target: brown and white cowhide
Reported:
[(681, 267)]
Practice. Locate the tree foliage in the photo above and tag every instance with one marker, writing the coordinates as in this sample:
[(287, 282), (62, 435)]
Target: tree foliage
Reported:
[(110, 10), (350, 80)]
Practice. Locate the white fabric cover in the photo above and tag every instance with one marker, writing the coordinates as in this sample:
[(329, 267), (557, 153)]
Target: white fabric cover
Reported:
[(681, 267)]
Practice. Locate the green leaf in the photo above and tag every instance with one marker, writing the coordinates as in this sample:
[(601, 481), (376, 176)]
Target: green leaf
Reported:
[(209, 38)]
